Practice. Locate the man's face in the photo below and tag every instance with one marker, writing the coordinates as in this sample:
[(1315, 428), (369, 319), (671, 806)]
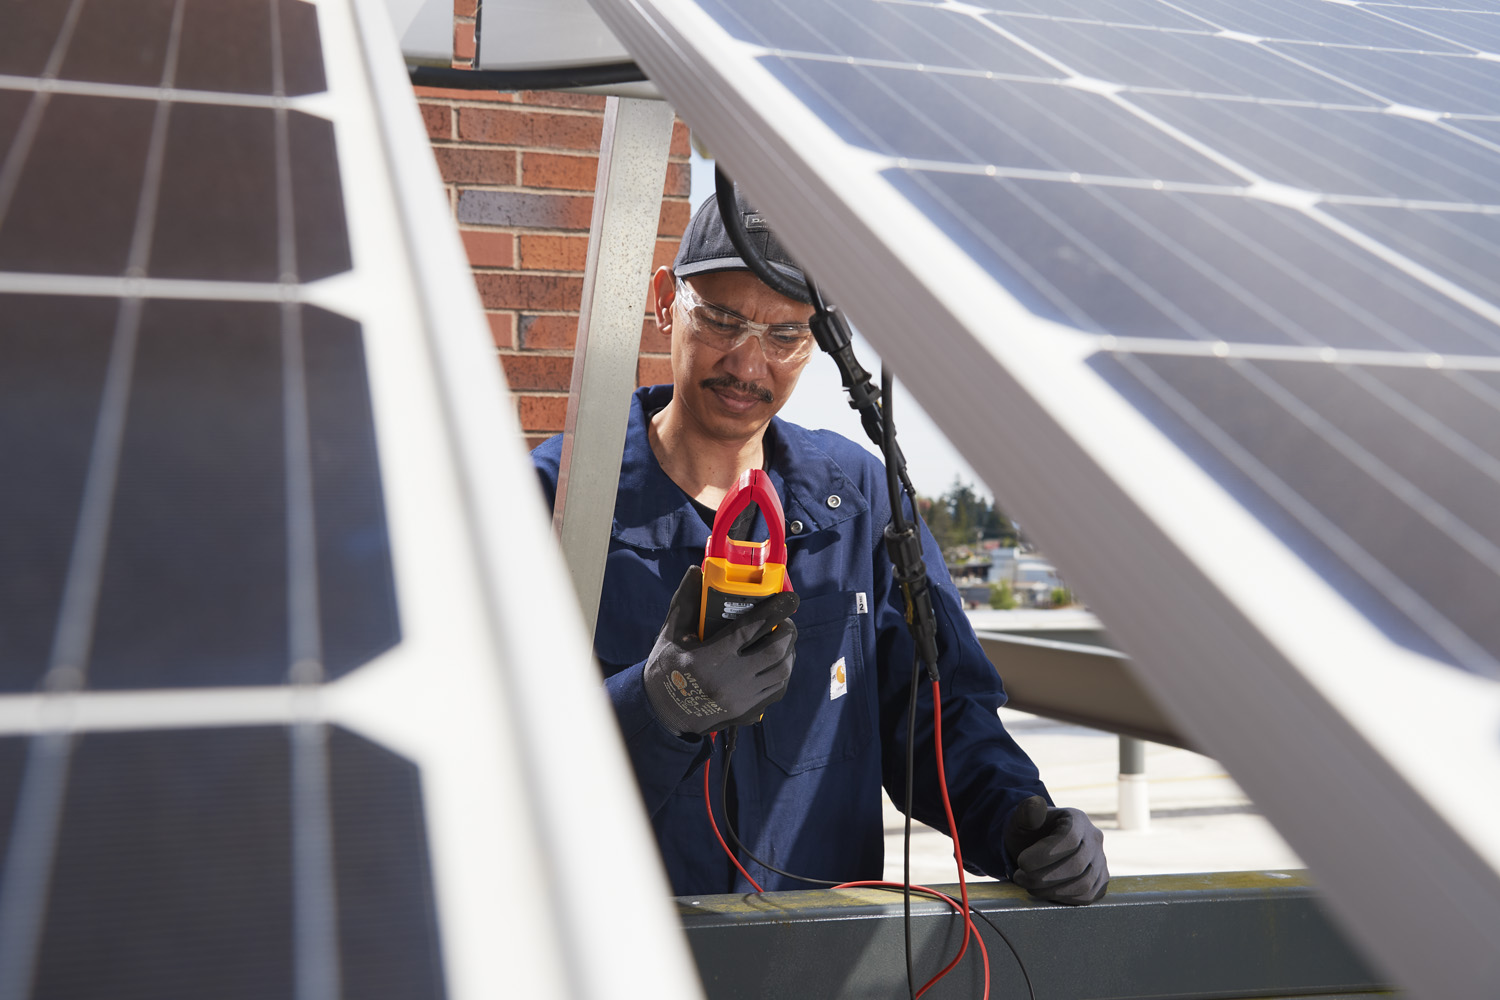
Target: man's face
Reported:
[(730, 394)]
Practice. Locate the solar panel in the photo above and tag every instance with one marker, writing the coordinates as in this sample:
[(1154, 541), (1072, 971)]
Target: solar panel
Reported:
[(1206, 291), (272, 557)]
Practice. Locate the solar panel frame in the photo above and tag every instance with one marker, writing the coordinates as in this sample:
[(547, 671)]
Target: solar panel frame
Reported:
[(1252, 671)]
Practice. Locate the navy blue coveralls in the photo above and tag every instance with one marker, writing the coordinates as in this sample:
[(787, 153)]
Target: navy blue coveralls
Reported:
[(807, 778)]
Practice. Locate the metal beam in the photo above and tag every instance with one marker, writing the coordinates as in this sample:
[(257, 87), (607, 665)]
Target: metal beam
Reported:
[(1232, 934), (1089, 685), (622, 240)]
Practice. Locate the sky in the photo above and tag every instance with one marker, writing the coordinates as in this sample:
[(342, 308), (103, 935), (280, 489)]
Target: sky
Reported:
[(820, 400)]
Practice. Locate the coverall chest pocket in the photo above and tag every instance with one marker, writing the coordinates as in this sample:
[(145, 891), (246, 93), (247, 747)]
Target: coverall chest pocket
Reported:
[(825, 715)]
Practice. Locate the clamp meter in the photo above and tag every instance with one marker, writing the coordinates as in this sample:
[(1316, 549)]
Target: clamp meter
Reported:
[(738, 575)]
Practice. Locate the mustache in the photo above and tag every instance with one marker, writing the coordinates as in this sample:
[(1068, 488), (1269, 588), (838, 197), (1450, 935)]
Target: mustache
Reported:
[(735, 385)]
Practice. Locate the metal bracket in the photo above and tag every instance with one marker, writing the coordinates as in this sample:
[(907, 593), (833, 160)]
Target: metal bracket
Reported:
[(622, 240)]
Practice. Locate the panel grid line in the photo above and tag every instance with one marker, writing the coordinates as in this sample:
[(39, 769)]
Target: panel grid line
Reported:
[(1443, 631)]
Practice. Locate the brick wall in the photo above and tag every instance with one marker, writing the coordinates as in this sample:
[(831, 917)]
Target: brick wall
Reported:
[(519, 170)]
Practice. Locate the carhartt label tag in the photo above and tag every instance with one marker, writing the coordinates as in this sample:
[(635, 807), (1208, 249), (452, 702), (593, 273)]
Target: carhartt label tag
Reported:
[(838, 680), (860, 604)]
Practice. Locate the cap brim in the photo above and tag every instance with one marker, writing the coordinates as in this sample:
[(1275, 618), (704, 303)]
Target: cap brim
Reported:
[(730, 264)]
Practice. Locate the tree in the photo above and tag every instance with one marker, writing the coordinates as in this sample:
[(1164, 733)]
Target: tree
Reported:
[(1001, 596)]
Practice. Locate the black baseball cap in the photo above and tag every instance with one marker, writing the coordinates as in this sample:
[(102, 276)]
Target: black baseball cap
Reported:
[(706, 246)]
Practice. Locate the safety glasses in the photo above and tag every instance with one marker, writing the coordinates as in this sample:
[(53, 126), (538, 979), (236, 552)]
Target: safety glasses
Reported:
[(724, 329)]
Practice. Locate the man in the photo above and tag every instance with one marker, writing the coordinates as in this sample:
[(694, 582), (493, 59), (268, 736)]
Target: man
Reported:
[(830, 667)]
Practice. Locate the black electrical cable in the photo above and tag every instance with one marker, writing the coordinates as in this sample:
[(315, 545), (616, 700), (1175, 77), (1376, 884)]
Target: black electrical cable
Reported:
[(731, 737), (559, 78), (1030, 990), (729, 211), (911, 763)]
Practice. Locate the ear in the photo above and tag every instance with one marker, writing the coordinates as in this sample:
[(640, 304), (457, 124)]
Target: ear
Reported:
[(664, 293)]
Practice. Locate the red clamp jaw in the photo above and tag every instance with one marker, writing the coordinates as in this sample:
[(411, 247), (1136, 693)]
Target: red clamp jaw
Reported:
[(737, 574)]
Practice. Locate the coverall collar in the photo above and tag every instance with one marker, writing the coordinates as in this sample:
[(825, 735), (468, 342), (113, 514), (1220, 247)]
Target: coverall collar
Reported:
[(652, 512)]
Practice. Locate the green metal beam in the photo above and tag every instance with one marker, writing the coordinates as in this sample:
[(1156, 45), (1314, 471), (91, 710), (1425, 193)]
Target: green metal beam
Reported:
[(1239, 934)]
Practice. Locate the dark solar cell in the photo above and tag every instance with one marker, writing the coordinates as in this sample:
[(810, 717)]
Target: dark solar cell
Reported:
[(226, 45), (317, 197), (1319, 22), (173, 870), (13, 105), (1411, 442), (1479, 30), (301, 51), (218, 209), (195, 580), (356, 588), (31, 28), (53, 354), (1349, 152), (878, 31), (1143, 12), (1158, 264), (12, 770), (1461, 246), (120, 41), (1456, 84), (1421, 585), (1468, 403), (388, 939), (65, 220), (1035, 125), (1200, 63)]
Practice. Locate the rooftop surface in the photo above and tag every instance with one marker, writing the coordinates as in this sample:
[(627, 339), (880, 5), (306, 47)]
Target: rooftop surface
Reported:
[(1201, 820)]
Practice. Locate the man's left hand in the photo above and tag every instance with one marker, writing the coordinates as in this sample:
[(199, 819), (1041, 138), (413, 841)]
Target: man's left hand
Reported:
[(1059, 853)]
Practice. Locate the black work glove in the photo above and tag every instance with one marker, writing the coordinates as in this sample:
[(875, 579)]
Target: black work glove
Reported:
[(698, 686), (1059, 853)]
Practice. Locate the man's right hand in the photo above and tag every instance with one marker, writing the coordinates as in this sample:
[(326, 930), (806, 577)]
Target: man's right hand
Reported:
[(699, 686)]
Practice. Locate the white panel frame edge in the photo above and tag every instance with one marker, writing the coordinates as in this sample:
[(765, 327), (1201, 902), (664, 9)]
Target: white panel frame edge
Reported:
[(528, 784), (1288, 686)]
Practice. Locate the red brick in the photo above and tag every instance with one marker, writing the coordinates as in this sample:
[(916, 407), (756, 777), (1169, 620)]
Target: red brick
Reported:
[(653, 369), (529, 291), (666, 252), (476, 166), (653, 341), (455, 94), (679, 180), (554, 253), (548, 332), (680, 144), (538, 371), (674, 218), (553, 170), (555, 99), (439, 120), (520, 208), (489, 249), (543, 413), (465, 8), (532, 440), (502, 328), (519, 127), (463, 42)]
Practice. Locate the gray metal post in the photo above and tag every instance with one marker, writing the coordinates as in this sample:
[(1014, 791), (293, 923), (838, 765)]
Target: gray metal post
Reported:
[(622, 238), (1135, 803)]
